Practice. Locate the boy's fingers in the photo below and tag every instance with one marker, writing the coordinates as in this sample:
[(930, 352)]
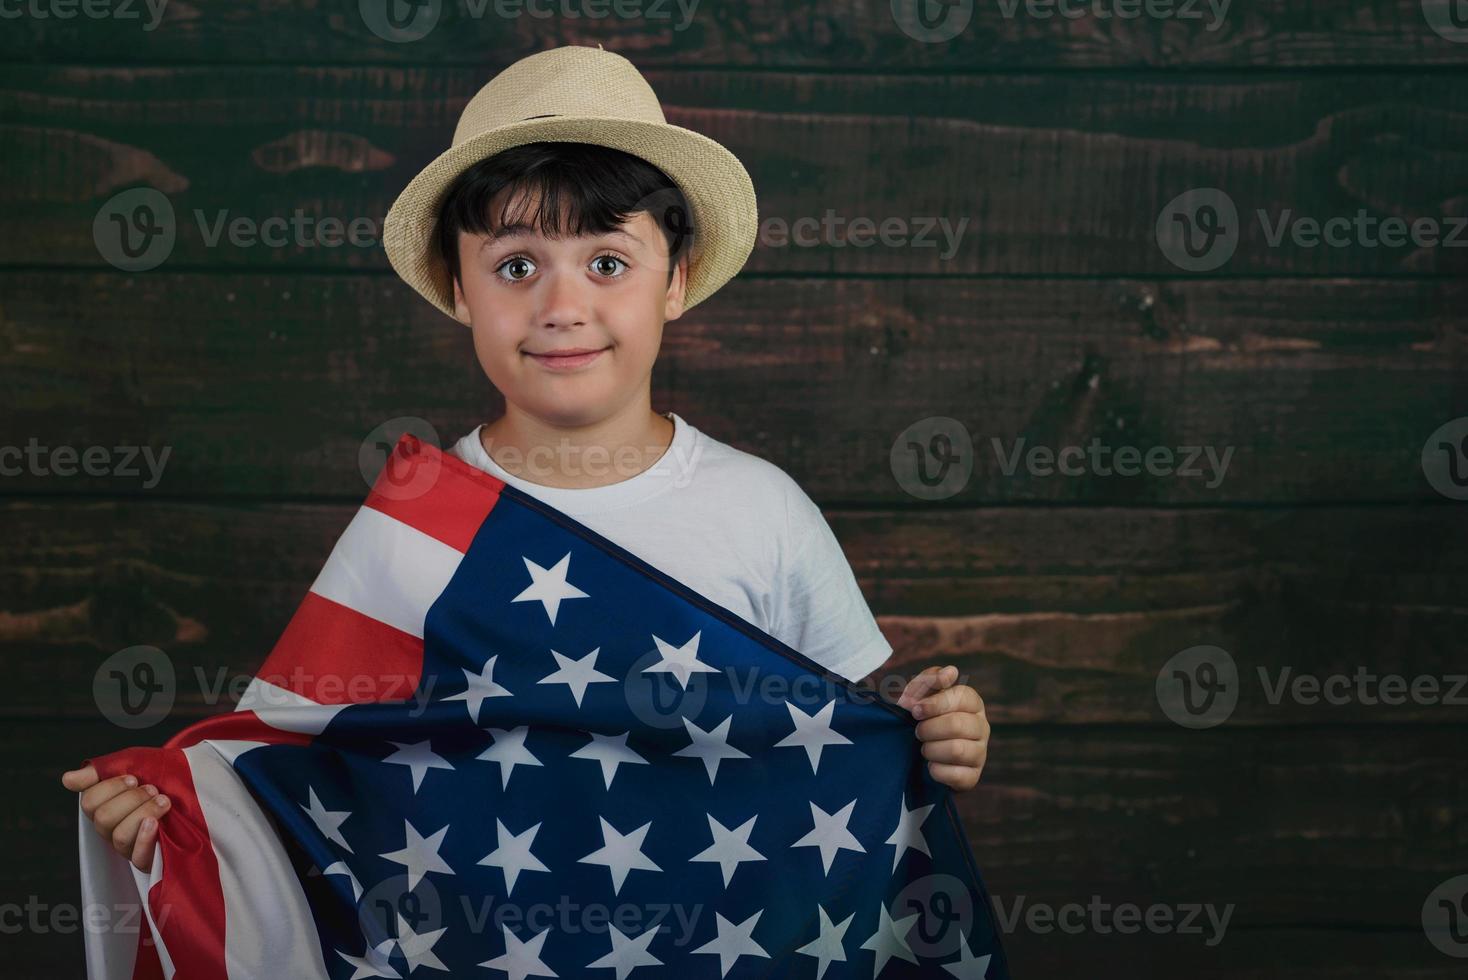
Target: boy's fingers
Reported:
[(954, 777), (143, 847), (931, 679), (954, 724), (956, 751), (110, 815), (77, 780), (95, 796), (961, 698), (125, 836)]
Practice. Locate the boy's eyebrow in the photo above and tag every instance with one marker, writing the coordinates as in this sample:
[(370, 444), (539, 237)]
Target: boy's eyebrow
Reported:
[(520, 229)]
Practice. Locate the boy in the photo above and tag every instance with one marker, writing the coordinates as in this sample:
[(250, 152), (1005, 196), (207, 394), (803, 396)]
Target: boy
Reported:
[(565, 238)]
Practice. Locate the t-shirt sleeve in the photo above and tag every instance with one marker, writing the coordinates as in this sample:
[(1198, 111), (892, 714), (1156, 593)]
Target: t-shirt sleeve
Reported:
[(819, 609)]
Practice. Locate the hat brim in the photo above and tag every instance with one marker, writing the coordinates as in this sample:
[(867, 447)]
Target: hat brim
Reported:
[(718, 189)]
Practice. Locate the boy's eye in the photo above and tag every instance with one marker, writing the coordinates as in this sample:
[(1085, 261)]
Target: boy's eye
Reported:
[(521, 266), (600, 264), (517, 267)]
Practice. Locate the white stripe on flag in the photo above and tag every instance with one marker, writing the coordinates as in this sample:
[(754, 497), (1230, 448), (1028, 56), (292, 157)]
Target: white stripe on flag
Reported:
[(269, 932), (285, 709), (145, 883), (113, 947), (387, 570)]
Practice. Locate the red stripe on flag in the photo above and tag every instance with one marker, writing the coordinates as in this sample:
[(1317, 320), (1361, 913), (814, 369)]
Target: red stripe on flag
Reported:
[(146, 965), (434, 491), (333, 654), (187, 903)]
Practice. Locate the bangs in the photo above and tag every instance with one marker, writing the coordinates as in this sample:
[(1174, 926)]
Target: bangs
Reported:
[(560, 190)]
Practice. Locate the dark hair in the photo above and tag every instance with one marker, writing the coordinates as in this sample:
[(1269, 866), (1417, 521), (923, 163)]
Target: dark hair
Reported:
[(581, 189)]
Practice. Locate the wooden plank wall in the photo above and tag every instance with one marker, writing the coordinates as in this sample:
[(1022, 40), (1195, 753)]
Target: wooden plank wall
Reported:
[(1057, 318)]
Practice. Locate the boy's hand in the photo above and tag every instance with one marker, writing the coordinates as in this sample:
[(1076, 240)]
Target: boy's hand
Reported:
[(123, 813), (951, 726)]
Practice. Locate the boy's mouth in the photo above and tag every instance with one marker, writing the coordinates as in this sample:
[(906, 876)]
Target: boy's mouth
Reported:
[(566, 358)]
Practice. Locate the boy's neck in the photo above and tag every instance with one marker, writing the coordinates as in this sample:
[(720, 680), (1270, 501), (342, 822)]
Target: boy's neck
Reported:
[(598, 454)]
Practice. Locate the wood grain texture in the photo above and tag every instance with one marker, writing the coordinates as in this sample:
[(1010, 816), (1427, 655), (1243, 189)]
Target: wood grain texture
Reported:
[(1056, 174), (1057, 615), (1053, 316), (263, 386), (761, 35)]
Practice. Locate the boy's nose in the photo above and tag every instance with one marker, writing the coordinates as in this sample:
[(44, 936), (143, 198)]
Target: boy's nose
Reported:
[(564, 301)]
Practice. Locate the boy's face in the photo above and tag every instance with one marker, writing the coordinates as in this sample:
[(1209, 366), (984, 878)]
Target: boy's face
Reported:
[(526, 297)]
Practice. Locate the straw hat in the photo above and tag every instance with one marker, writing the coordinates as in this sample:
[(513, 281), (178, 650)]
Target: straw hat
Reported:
[(583, 95)]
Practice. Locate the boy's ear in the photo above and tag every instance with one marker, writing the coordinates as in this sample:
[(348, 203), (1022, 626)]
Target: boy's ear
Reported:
[(677, 289), (461, 306)]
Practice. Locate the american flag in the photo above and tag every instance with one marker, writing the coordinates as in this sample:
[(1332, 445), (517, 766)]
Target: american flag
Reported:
[(492, 743)]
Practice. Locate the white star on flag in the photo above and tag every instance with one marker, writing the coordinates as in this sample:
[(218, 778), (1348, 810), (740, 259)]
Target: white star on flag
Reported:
[(611, 751), (521, 960), (826, 947), (830, 833), (548, 586), (373, 962), (890, 939), (621, 853), (813, 732), (481, 685), (419, 757), (576, 674), (509, 751), (711, 746), (420, 854), (329, 822), (512, 855), (627, 954), (729, 847), (733, 941), (418, 948), (969, 966), (682, 662), (909, 832)]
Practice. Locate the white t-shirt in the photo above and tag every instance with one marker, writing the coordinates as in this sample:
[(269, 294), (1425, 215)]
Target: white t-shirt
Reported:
[(739, 531)]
